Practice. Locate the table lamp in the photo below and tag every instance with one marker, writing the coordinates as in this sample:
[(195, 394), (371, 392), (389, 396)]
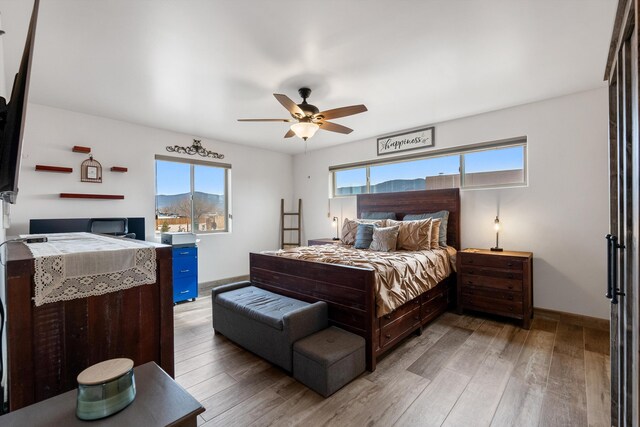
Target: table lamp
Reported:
[(496, 225)]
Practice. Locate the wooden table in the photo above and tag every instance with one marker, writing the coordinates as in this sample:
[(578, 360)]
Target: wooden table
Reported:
[(159, 401)]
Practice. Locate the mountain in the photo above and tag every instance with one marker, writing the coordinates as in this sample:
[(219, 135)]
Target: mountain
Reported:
[(164, 201), (386, 187)]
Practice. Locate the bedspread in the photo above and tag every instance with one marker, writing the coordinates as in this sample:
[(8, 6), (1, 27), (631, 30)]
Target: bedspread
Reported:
[(400, 275)]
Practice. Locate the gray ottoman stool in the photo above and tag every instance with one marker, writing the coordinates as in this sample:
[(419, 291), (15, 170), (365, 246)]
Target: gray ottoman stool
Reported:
[(328, 360)]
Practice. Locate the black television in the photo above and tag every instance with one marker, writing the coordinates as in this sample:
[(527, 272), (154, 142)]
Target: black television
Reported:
[(12, 117)]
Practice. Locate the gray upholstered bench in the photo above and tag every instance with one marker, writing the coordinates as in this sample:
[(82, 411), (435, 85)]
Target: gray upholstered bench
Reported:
[(263, 322), (328, 360)]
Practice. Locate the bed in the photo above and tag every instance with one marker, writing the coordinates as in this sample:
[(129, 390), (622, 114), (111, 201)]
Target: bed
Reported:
[(349, 291)]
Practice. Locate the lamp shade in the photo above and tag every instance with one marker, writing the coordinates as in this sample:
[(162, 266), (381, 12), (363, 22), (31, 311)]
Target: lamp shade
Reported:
[(304, 130)]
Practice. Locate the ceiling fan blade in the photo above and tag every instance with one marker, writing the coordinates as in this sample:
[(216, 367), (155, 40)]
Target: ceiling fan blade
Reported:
[(342, 112), (266, 120), (287, 103), (289, 134), (334, 127)]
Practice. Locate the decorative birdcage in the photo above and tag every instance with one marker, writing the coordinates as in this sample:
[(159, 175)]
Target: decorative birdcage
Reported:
[(91, 170)]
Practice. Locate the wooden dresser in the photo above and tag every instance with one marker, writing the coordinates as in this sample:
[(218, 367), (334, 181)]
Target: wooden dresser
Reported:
[(496, 282)]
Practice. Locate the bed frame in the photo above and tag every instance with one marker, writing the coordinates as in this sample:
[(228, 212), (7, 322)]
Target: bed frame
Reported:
[(349, 291)]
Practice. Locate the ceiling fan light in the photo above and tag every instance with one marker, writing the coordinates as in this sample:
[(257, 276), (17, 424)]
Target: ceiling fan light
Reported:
[(304, 130)]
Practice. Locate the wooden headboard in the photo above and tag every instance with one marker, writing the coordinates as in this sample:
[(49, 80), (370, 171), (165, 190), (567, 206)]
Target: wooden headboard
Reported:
[(417, 202)]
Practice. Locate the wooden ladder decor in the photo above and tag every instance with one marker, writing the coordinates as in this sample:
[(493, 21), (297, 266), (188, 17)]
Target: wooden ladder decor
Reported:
[(283, 214)]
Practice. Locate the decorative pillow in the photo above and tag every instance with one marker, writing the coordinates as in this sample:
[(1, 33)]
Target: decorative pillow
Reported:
[(378, 215), (435, 227), (385, 238), (444, 215), (350, 226), (413, 235), (364, 236)]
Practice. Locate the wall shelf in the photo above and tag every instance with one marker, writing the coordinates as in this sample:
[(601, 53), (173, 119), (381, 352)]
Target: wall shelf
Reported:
[(81, 149), (118, 169), (91, 196), (60, 169)]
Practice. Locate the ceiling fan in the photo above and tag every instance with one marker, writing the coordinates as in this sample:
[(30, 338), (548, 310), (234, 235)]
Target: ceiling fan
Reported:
[(307, 119)]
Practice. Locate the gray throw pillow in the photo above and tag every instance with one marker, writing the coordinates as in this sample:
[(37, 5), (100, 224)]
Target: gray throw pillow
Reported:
[(364, 236), (385, 238), (443, 215), (378, 215)]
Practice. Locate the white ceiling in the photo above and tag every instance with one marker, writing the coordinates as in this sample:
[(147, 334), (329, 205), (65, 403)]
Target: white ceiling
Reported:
[(195, 66)]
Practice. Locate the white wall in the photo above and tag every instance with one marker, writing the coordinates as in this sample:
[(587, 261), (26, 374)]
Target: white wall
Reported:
[(562, 216), (259, 180)]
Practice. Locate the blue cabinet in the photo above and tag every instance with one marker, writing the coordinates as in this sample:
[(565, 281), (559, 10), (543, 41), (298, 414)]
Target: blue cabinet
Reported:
[(185, 273)]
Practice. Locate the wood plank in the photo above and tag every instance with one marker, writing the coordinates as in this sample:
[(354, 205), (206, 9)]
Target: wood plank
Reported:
[(431, 362), (597, 341), (239, 392), (471, 353), (598, 380), (567, 370), (250, 409), (559, 410), (291, 411), (481, 397), (384, 404), (433, 405), (520, 404), (211, 386), (533, 364)]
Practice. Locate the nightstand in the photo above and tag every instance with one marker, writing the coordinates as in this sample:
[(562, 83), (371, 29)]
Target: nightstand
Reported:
[(496, 282), (327, 241)]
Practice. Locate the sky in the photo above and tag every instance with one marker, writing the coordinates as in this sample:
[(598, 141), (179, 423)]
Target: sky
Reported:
[(479, 161), (174, 178)]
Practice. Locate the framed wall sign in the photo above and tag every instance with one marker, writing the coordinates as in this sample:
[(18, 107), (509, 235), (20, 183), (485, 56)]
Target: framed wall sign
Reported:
[(406, 141)]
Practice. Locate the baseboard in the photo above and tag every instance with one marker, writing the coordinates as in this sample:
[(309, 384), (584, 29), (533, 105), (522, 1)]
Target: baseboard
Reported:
[(204, 289), (571, 318)]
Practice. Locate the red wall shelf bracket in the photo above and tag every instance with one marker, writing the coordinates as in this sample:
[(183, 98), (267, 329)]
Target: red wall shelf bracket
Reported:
[(81, 149), (118, 169), (91, 196), (45, 168)]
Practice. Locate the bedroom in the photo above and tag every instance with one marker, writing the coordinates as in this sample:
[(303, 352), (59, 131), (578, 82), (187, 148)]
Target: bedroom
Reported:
[(129, 87)]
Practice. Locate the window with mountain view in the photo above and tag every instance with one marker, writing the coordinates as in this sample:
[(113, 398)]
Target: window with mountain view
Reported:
[(496, 164), (191, 196)]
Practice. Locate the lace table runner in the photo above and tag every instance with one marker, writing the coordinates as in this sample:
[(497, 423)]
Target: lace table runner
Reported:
[(79, 265)]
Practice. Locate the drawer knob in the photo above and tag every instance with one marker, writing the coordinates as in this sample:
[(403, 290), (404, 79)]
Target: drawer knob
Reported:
[(510, 286), (509, 264), (469, 282), (387, 335), (386, 316), (470, 271), (470, 261), (510, 297), (416, 317), (510, 276), (417, 301), (510, 308)]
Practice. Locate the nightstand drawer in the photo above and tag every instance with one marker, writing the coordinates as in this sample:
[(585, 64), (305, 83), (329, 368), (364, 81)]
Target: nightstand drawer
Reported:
[(510, 263), (492, 293), (491, 305), (491, 272), (491, 282)]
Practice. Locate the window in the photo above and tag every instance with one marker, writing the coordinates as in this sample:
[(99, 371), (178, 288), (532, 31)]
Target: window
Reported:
[(191, 195), (351, 181), (497, 164)]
